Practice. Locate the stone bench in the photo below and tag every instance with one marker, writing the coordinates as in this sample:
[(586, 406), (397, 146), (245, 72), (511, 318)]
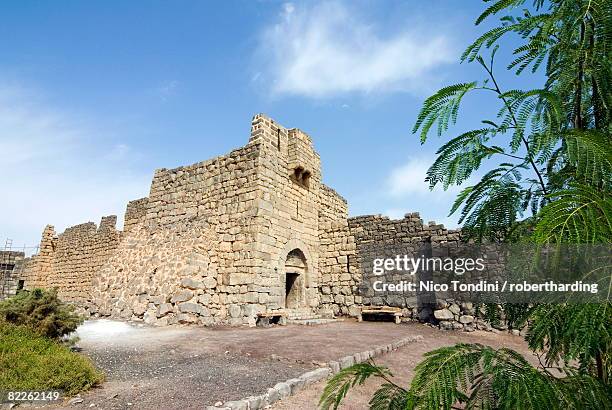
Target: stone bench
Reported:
[(266, 319), (381, 310)]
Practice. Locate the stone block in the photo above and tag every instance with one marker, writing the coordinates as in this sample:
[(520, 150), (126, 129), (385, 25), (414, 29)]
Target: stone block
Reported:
[(272, 395), (237, 405), (283, 389), (181, 296), (465, 319), (192, 283), (235, 311), (315, 375), (346, 361), (164, 309), (444, 314), (295, 385)]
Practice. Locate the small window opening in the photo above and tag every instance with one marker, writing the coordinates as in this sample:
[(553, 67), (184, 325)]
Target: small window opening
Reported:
[(20, 284), (348, 263), (301, 177), (278, 139), (306, 179)]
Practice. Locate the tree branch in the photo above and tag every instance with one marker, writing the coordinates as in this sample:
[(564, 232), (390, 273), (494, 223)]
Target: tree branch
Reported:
[(516, 125)]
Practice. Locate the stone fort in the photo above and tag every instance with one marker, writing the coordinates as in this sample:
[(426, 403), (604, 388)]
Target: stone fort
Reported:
[(221, 241)]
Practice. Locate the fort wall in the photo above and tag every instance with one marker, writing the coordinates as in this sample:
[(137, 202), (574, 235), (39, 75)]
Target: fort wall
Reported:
[(219, 241), (69, 261), (378, 236), (339, 267)]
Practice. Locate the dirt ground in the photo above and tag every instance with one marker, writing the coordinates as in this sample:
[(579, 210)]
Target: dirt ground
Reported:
[(189, 367), (402, 363)]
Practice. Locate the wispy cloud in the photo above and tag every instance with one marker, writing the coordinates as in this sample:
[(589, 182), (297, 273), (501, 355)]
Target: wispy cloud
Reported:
[(167, 89), (406, 184), (326, 49), (58, 167)]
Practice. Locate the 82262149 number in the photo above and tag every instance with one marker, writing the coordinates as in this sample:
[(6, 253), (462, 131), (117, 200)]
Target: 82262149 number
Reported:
[(31, 395)]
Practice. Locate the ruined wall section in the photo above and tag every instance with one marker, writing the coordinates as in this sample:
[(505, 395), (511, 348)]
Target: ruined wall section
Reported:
[(163, 276), (39, 267), (135, 213), (378, 236), (80, 252), (70, 260), (340, 273)]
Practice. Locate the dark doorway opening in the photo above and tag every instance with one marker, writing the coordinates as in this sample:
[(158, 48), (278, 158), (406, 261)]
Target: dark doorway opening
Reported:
[(291, 290)]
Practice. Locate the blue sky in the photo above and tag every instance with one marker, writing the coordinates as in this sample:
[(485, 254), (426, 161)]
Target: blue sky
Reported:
[(96, 95)]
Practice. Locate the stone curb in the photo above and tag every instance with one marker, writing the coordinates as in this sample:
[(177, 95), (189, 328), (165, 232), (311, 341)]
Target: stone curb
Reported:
[(292, 386)]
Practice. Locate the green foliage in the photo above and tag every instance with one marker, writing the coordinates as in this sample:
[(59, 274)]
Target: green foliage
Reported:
[(482, 377), (474, 376), (590, 154), (339, 385), (552, 156), (42, 311), (581, 332), (442, 108), (30, 361), (555, 135), (579, 214), (492, 205)]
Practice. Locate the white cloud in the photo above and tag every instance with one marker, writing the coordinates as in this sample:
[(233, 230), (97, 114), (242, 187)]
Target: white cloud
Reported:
[(326, 49), (409, 179), (407, 189), (58, 168)]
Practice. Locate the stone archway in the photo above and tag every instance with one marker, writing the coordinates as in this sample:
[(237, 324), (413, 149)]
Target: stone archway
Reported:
[(296, 270)]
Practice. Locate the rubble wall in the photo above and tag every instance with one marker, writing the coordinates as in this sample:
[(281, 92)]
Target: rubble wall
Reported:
[(378, 236), (174, 265)]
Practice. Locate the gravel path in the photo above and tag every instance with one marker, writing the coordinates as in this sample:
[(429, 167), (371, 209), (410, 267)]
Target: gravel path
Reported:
[(191, 367)]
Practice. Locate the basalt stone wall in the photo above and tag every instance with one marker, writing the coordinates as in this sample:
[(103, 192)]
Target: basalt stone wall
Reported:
[(219, 241), (164, 275), (378, 236), (11, 263), (180, 263), (220, 238), (36, 270), (69, 261), (338, 264), (135, 212)]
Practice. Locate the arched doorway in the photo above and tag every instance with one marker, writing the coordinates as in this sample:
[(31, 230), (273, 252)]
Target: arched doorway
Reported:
[(296, 269)]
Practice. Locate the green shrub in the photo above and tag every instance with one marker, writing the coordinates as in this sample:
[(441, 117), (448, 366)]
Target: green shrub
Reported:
[(42, 311), (29, 361)]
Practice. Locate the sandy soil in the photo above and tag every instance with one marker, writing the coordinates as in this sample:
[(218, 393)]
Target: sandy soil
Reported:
[(402, 362)]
